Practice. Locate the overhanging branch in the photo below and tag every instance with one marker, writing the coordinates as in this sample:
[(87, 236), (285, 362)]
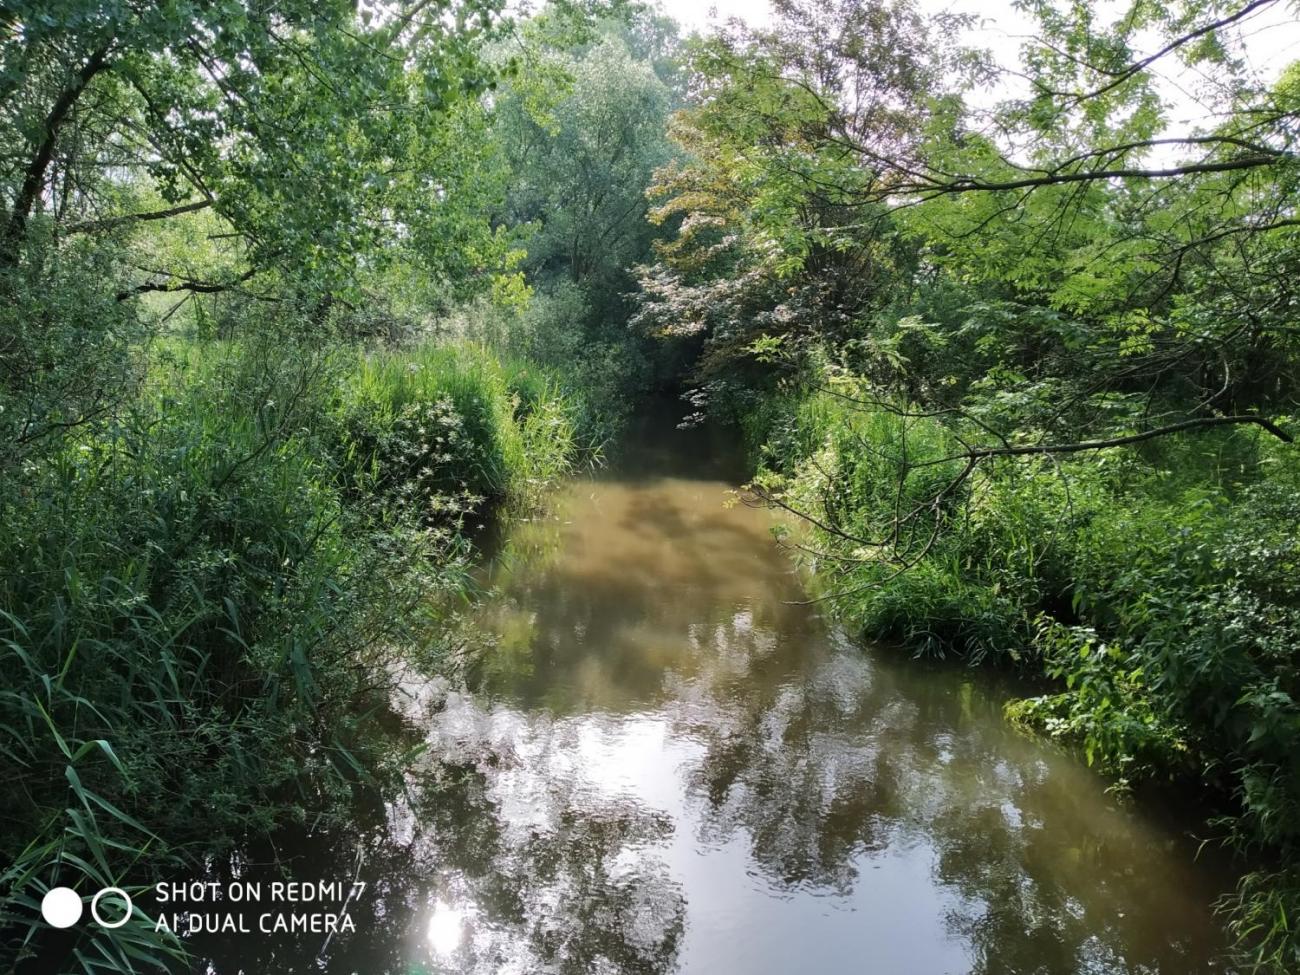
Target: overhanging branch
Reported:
[(178, 283), (112, 223), (978, 453)]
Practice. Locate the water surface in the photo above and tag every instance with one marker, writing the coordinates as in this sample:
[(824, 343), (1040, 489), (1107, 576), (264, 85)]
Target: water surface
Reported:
[(664, 761)]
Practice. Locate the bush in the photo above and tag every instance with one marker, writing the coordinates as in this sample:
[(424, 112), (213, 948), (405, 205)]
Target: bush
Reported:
[(602, 366), (450, 427)]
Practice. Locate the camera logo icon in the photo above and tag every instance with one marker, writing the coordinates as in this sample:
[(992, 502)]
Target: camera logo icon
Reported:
[(61, 907)]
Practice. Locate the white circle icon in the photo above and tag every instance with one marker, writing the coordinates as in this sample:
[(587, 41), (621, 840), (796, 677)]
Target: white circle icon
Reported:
[(94, 908), (61, 907)]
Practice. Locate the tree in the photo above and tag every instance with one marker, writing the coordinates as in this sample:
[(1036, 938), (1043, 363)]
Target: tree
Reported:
[(583, 130), (779, 246), (306, 147), (828, 199)]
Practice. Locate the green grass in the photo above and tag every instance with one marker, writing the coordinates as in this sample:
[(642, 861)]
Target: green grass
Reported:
[(202, 593), (459, 420)]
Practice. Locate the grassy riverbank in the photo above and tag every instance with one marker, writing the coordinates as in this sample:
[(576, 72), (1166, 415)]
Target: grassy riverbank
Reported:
[(1153, 588), (203, 593)]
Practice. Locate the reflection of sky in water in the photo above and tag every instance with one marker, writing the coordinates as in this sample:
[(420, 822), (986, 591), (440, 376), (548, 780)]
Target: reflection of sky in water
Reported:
[(689, 773), (446, 929), (666, 766)]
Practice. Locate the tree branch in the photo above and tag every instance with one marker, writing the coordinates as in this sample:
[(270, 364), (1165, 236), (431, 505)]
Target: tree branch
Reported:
[(178, 283), (969, 184), (112, 223), (1074, 448), (1142, 64), (34, 175)]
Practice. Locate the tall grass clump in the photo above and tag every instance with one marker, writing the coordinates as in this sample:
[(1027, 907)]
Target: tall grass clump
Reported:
[(204, 593), (448, 428), (605, 367)]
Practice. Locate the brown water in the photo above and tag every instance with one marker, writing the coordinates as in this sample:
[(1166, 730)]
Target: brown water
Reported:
[(662, 764)]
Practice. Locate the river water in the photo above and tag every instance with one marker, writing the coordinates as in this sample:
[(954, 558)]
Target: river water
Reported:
[(663, 761)]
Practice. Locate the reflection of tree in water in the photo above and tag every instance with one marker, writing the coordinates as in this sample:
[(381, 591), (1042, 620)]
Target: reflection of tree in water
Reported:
[(817, 760), (642, 564), (836, 764), (575, 897), (572, 895), (1080, 896)]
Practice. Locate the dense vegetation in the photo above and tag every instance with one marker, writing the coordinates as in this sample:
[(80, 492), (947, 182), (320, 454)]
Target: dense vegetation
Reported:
[(291, 293), (281, 317)]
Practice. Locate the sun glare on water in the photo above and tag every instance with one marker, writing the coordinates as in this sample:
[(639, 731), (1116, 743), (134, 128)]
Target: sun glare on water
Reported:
[(446, 928)]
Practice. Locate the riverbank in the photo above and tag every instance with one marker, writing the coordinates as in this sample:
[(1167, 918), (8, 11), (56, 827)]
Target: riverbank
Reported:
[(1153, 591), (204, 594)]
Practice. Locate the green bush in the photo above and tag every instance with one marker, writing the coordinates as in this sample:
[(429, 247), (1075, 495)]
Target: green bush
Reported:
[(450, 427), (602, 366)]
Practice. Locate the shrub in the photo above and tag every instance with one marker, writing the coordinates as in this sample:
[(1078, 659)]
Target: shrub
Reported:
[(602, 366), (450, 427)]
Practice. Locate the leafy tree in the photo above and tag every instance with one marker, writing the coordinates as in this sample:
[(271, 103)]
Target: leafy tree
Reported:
[(777, 246), (834, 193), (303, 148), (310, 127), (578, 129), (582, 131)]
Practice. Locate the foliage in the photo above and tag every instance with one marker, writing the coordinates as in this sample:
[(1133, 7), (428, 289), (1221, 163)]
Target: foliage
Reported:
[(447, 428), (774, 248), (582, 131), (205, 592), (209, 158), (311, 128), (1156, 591), (555, 331), (577, 132)]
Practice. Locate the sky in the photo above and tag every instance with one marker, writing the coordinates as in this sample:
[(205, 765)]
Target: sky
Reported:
[(699, 13), (1270, 39), (1272, 36)]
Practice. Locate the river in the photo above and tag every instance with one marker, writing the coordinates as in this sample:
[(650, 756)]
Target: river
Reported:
[(664, 759)]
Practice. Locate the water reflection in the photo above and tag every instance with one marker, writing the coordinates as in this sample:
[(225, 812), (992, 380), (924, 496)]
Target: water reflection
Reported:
[(661, 764), (447, 928)]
